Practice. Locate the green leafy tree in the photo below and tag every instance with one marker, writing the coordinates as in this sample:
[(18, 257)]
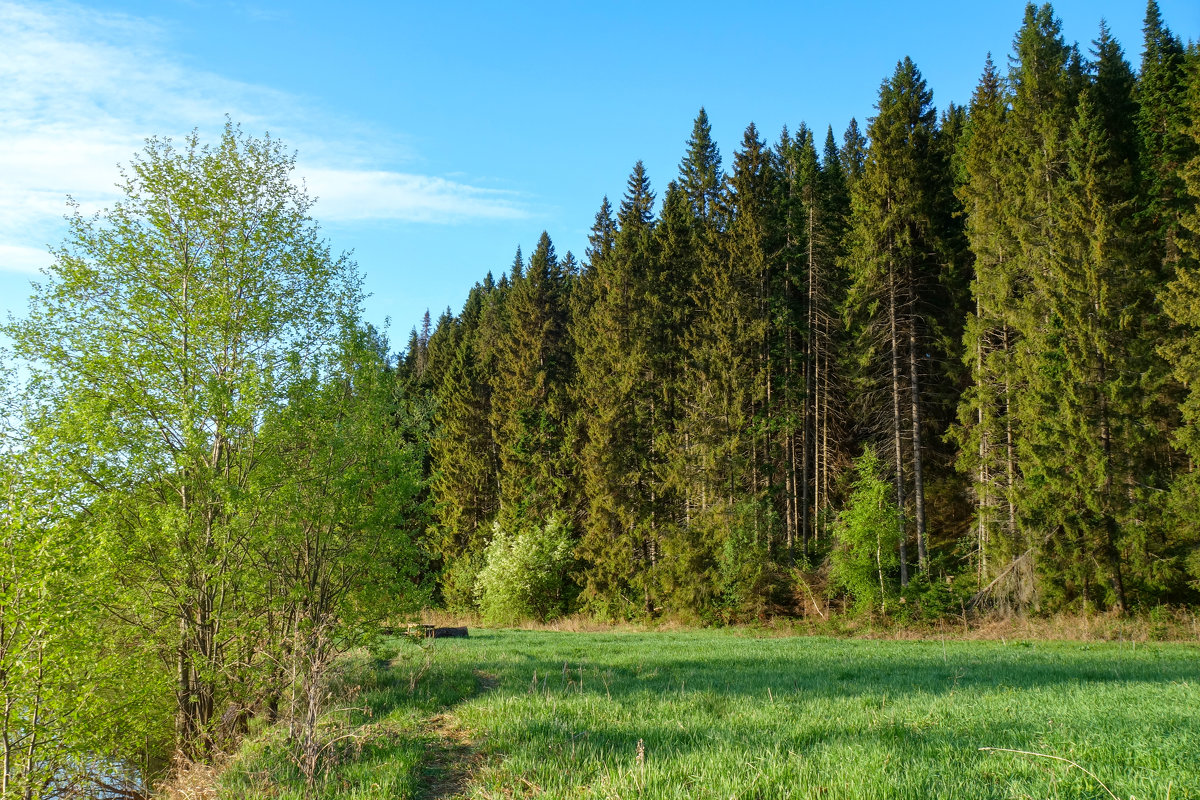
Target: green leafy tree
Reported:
[(76, 713), (168, 327), (343, 516), (865, 556)]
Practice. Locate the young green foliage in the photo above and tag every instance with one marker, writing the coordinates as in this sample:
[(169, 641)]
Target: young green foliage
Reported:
[(865, 556), (525, 575), (168, 327)]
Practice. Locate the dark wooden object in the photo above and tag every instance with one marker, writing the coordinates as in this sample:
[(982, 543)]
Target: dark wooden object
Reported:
[(423, 631)]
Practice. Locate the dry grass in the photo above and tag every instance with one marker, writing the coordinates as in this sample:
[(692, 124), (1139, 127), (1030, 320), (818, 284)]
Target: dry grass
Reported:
[(1160, 625), (576, 623), (190, 781)]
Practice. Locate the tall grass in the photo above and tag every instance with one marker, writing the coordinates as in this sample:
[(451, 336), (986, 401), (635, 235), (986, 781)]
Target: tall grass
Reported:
[(722, 715), (376, 738), (725, 714)]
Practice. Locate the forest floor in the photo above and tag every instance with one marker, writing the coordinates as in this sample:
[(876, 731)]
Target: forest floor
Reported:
[(734, 713)]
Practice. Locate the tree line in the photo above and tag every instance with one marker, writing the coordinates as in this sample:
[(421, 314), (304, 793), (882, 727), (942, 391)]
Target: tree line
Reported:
[(944, 359), (999, 301)]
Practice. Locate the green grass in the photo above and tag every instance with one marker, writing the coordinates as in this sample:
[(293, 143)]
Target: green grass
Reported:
[(387, 753), (722, 714)]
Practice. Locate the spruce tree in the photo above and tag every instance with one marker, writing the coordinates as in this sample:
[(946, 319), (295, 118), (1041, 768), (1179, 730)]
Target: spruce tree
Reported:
[(700, 170), (615, 394), (464, 456), (830, 291), (806, 332), (1164, 146), (1181, 301), (722, 463), (530, 407), (1013, 160), (985, 434), (893, 259), (686, 576), (1044, 94), (1091, 447), (853, 156)]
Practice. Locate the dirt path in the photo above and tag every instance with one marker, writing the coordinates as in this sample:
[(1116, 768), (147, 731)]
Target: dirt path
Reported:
[(453, 758)]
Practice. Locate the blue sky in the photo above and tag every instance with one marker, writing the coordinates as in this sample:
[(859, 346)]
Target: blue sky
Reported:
[(438, 137)]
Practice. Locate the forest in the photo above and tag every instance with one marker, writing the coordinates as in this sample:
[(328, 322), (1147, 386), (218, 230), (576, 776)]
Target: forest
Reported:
[(944, 363), (991, 310)]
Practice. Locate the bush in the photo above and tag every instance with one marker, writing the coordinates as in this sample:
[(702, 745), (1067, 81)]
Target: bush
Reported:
[(458, 583), (525, 571), (744, 563)]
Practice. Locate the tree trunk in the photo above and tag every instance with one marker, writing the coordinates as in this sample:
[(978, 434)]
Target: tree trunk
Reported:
[(918, 476), (824, 389), (1110, 524), (813, 364), (896, 425), (1011, 454)]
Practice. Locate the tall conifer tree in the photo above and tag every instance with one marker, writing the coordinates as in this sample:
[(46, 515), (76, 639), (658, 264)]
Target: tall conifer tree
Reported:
[(986, 435), (616, 393), (893, 256), (530, 407), (1090, 445)]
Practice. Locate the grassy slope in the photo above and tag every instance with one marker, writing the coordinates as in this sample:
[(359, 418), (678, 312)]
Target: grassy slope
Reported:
[(725, 715)]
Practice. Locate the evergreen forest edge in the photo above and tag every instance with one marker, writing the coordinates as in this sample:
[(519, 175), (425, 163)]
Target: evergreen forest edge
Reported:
[(947, 363)]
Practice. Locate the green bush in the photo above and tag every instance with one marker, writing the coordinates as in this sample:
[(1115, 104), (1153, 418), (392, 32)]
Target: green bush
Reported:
[(930, 596), (525, 571), (865, 557), (458, 583), (744, 564)]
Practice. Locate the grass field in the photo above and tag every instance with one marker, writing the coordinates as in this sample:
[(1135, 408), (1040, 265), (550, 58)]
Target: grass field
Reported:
[(722, 714)]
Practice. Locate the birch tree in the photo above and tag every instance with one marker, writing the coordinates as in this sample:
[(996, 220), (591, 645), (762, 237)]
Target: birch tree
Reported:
[(167, 327)]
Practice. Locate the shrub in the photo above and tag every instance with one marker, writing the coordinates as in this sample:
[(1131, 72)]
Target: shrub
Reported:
[(525, 571), (744, 563)]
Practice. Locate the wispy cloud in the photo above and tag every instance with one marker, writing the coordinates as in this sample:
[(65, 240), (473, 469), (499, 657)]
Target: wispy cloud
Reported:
[(350, 195), (20, 258), (83, 89)]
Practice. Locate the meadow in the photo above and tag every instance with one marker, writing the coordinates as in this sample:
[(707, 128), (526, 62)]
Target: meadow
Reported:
[(727, 714)]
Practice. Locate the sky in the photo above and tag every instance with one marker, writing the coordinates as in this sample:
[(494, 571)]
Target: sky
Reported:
[(437, 137)]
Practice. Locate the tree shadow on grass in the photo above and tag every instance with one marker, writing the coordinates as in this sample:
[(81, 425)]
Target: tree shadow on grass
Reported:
[(835, 668), (896, 760)]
